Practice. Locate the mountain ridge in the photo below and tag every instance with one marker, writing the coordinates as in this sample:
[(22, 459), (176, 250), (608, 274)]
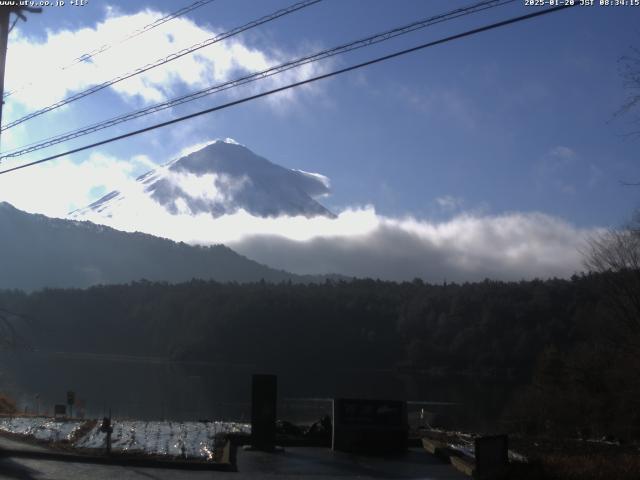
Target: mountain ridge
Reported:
[(43, 252)]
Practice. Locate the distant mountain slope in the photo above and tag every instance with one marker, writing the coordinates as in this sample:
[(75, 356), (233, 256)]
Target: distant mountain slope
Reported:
[(221, 178), (38, 251)]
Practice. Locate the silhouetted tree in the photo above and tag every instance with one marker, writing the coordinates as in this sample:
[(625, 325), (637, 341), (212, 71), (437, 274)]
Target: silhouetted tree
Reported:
[(615, 255)]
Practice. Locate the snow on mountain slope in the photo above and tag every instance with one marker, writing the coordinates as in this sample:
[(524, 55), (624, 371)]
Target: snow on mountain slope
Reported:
[(221, 178)]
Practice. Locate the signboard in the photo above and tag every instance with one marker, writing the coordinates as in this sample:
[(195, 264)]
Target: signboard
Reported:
[(370, 426), (60, 410)]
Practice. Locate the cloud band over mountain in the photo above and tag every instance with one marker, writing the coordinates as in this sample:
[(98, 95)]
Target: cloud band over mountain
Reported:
[(466, 248), (359, 242)]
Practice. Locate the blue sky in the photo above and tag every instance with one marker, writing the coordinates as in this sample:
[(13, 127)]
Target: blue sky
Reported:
[(516, 121)]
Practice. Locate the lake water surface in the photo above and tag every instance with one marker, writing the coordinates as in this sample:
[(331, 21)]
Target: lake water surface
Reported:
[(155, 389)]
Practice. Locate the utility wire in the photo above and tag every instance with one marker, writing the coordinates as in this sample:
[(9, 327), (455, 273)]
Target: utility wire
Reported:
[(13, 24), (85, 57), (298, 84), (140, 31), (205, 43), (364, 42)]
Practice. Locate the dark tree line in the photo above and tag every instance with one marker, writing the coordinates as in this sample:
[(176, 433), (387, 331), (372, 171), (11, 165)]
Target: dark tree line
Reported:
[(550, 342)]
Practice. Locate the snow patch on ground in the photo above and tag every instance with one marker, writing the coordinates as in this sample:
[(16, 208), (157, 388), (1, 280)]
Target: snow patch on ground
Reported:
[(41, 428), (172, 439)]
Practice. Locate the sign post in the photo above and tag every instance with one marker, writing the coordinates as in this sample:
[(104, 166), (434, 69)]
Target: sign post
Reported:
[(107, 428), (71, 398)]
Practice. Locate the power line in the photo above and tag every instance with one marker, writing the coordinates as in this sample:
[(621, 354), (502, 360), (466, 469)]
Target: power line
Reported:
[(89, 55), (298, 84), (140, 31), (210, 41), (364, 42)]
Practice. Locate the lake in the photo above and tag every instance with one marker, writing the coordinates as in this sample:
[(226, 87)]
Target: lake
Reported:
[(149, 388)]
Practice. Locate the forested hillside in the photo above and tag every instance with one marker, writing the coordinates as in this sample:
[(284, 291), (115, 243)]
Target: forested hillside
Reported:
[(548, 341), (41, 252)]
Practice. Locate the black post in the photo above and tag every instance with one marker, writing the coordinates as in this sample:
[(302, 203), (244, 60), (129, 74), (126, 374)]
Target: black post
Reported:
[(71, 398), (4, 37), (107, 428), (264, 395), (5, 14), (109, 432)]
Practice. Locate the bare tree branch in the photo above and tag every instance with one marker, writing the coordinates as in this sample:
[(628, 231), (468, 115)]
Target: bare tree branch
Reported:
[(615, 255)]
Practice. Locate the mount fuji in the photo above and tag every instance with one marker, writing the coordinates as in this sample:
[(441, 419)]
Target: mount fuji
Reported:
[(221, 178)]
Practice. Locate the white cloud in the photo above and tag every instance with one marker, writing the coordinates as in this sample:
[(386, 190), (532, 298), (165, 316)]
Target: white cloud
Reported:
[(561, 151), (324, 180), (449, 202), (359, 242), (210, 65), (465, 248), (144, 161), (564, 170), (211, 187), (55, 188)]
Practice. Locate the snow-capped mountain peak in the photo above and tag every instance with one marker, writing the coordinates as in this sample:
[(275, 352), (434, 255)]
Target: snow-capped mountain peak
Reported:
[(220, 177)]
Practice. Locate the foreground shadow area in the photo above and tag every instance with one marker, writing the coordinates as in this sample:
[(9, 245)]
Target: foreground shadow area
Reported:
[(12, 469)]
